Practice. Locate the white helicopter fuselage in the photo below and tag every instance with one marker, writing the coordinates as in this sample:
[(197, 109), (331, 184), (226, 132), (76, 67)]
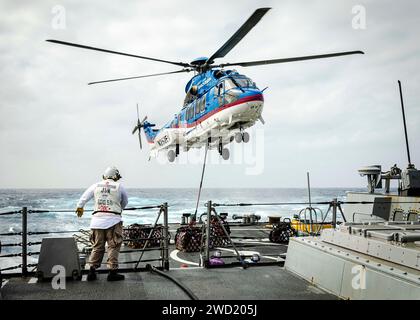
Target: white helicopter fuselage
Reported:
[(221, 124)]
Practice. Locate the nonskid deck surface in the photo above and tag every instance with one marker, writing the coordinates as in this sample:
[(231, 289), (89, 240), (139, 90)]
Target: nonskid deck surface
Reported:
[(257, 282), (256, 241)]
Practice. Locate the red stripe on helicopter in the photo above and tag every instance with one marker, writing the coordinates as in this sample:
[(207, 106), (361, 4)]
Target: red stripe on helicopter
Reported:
[(255, 97)]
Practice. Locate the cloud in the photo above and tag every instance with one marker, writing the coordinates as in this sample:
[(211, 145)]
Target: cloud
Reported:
[(327, 116)]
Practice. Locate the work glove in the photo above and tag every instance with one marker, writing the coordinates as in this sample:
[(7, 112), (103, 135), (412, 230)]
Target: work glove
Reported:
[(79, 212)]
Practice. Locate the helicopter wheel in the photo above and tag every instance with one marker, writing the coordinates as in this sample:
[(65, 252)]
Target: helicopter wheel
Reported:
[(171, 155), (225, 154), (238, 137), (245, 137), (220, 147)]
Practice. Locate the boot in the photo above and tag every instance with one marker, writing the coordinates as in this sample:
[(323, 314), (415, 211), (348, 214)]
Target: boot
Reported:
[(114, 276), (92, 274)]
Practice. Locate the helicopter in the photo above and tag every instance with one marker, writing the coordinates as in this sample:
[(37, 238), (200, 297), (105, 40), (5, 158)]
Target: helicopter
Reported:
[(220, 104)]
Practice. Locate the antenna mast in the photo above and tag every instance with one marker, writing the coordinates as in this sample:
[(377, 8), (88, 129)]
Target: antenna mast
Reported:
[(405, 125), (309, 189)]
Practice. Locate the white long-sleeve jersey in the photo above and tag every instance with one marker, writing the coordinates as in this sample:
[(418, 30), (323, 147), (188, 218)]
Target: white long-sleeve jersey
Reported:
[(103, 220)]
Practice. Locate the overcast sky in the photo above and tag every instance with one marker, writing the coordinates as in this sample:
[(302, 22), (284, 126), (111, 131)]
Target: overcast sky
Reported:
[(328, 116)]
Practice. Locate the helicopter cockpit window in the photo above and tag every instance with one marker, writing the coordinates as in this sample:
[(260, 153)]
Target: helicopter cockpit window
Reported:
[(203, 104), (188, 113), (198, 106), (232, 95), (243, 82), (192, 111), (230, 84)]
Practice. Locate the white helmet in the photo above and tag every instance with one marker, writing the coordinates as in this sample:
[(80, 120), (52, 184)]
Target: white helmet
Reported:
[(112, 173)]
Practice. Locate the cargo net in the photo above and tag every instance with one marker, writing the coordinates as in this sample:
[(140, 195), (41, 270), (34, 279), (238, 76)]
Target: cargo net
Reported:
[(218, 238), (136, 235), (191, 238), (282, 231)]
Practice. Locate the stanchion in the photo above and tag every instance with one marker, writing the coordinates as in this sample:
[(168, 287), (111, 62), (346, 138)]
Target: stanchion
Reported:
[(334, 212), (209, 208), (24, 241), (238, 256), (150, 235), (165, 237)]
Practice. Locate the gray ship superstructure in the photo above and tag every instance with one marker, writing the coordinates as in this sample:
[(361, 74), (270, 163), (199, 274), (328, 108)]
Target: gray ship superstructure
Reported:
[(375, 254)]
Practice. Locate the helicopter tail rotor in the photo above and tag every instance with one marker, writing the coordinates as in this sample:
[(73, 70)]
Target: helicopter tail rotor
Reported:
[(139, 126)]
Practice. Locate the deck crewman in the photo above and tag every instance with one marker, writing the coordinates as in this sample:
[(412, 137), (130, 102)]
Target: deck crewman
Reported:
[(110, 199)]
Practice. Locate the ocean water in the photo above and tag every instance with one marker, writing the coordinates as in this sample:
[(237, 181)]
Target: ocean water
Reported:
[(179, 200)]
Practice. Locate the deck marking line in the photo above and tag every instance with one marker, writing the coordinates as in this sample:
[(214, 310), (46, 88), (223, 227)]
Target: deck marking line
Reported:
[(4, 283), (33, 280), (174, 256)]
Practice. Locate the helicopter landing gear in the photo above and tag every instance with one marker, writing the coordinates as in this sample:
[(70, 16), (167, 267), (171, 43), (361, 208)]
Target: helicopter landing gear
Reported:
[(242, 137), (211, 139), (224, 152), (171, 155)]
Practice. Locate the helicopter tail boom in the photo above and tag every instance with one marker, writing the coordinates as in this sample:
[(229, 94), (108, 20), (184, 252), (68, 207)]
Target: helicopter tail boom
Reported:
[(149, 132)]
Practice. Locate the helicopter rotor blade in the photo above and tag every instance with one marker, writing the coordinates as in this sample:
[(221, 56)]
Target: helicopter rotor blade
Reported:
[(138, 77), (139, 125), (264, 62), (141, 147), (182, 64), (238, 35)]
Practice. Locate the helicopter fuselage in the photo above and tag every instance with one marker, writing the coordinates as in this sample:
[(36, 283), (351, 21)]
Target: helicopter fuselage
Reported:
[(218, 105)]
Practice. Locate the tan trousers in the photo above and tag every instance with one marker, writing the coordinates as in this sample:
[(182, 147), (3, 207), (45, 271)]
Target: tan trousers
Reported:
[(113, 237)]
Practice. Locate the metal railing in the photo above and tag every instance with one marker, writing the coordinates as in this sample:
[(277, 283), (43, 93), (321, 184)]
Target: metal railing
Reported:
[(334, 205), (24, 244), (309, 215), (211, 212)]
